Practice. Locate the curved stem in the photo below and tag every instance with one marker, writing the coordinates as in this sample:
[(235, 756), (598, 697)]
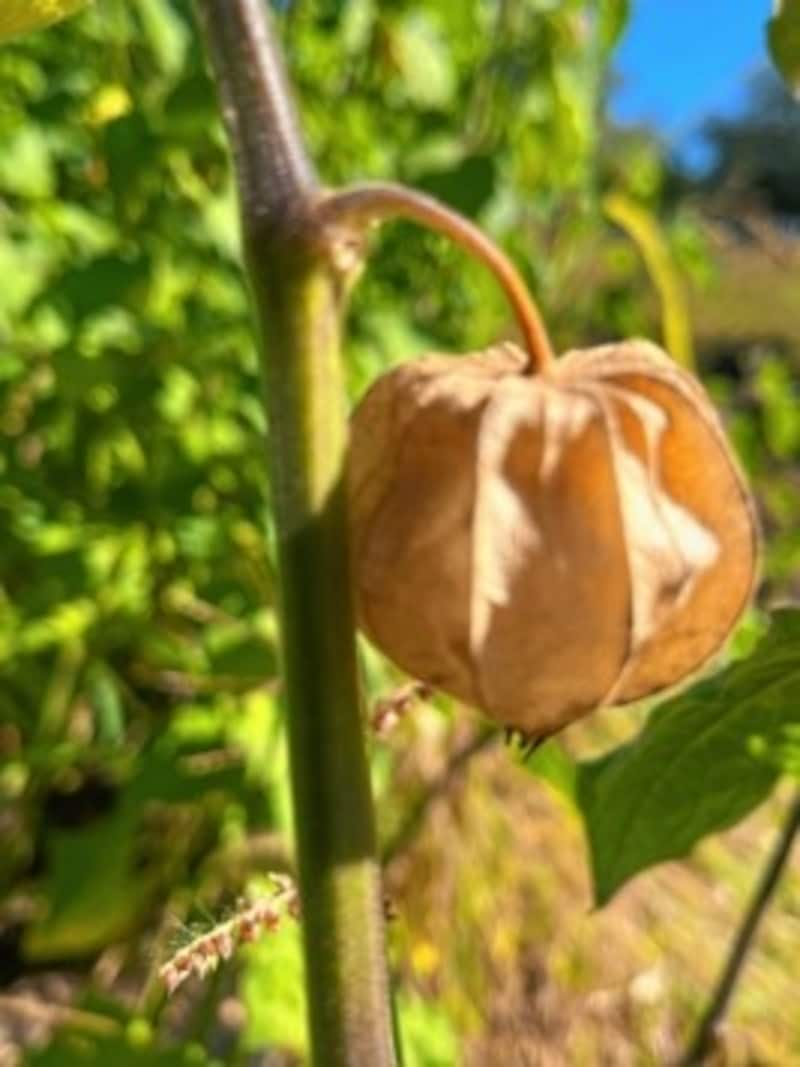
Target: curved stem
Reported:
[(643, 229), (372, 202), (704, 1037)]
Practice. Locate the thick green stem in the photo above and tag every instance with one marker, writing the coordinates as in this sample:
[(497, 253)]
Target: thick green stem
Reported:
[(300, 313), (298, 287)]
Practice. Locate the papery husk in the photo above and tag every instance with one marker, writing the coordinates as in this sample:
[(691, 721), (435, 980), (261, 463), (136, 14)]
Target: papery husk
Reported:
[(541, 545)]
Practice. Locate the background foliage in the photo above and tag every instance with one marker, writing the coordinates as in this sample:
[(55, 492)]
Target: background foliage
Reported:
[(142, 757)]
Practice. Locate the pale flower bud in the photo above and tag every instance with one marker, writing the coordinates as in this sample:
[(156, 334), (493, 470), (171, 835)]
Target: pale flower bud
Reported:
[(541, 545)]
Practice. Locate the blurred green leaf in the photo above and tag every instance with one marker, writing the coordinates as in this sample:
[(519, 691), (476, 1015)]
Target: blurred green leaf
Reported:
[(96, 891), (468, 186), (779, 393), (106, 701), (26, 166), (273, 992), (93, 898), (420, 52), (700, 764), (783, 35), (128, 1050), (614, 16), (553, 765), (166, 32), (427, 1034)]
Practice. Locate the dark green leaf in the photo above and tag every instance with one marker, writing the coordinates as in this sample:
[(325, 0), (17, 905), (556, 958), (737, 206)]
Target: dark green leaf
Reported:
[(467, 186), (702, 762), (93, 897), (107, 280), (96, 891)]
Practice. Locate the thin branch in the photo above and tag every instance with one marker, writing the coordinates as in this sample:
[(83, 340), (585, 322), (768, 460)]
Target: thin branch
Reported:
[(371, 202), (59, 1015), (152, 997), (436, 789), (703, 1041)]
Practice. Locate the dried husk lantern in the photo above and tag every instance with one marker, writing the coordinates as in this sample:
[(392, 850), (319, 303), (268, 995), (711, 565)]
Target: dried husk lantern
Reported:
[(541, 544)]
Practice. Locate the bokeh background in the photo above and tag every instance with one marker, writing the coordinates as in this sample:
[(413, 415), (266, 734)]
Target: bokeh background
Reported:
[(646, 178)]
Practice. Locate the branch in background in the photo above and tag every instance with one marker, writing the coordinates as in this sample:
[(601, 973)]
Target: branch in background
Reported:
[(230, 865), (436, 789), (705, 1036), (30, 1009), (643, 229)]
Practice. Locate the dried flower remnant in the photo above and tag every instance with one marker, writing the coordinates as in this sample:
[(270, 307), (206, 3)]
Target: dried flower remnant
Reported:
[(388, 711), (542, 545), (204, 953)]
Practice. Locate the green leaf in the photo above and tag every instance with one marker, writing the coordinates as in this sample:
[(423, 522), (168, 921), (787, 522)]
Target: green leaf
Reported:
[(553, 765), (783, 36), (703, 761), (96, 891), (93, 896), (167, 34), (128, 1050), (272, 991), (20, 16), (422, 55), (613, 19), (467, 186), (429, 1038), (26, 167)]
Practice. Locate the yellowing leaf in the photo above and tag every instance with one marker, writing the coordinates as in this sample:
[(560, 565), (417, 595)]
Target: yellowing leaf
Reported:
[(20, 16), (643, 229)]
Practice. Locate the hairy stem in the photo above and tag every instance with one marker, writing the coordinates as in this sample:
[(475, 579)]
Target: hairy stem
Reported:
[(372, 202), (299, 288), (272, 167), (703, 1040)]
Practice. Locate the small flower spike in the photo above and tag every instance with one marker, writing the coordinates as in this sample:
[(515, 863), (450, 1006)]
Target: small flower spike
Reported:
[(203, 954)]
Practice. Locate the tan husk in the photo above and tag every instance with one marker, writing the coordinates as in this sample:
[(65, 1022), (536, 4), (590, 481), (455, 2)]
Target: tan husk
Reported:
[(541, 545)]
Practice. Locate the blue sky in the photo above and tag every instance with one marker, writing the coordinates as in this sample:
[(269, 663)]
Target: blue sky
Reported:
[(681, 60)]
